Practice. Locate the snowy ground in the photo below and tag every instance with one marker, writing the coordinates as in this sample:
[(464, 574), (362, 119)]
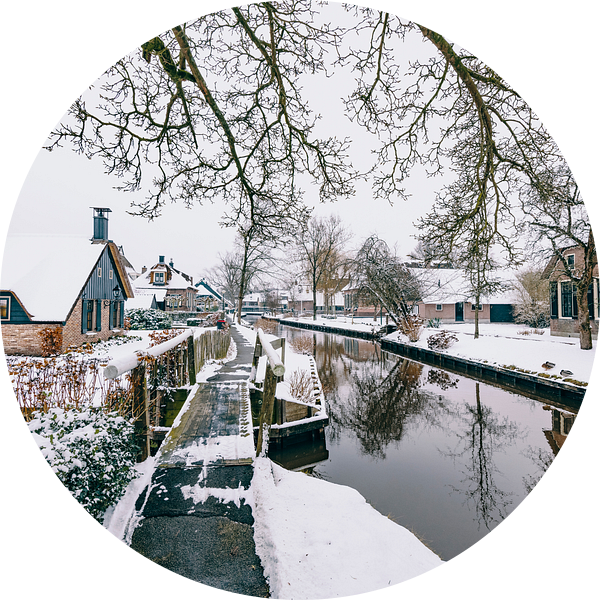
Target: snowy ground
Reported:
[(315, 539), (499, 343)]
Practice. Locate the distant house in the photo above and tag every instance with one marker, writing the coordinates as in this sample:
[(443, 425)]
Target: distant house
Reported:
[(564, 316), (444, 296), (300, 299), (174, 290), (208, 298), (254, 301), (71, 284)]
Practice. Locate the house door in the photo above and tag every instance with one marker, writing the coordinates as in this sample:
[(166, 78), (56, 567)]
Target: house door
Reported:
[(459, 314)]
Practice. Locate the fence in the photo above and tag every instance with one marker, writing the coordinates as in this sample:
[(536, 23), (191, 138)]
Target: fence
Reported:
[(158, 371)]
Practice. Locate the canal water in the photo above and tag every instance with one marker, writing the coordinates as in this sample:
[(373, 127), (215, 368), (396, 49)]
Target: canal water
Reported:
[(441, 454)]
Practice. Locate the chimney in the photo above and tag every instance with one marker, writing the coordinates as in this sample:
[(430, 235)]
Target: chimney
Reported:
[(171, 263), (100, 224), (161, 258), (144, 269)]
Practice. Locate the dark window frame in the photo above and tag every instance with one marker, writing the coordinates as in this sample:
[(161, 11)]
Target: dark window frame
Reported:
[(566, 299), (5, 300)]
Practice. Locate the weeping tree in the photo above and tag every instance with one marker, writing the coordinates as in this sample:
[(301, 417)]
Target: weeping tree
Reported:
[(381, 278)]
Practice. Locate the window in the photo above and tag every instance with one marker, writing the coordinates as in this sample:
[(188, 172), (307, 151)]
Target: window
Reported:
[(115, 315), (90, 315), (438, 307), (479, 307), (5, 308), (566, 299), (159, 278), (110, 274), (553, 300), (99, 271), (570, 259)]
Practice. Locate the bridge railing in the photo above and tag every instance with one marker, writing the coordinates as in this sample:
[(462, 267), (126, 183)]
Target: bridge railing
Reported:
[(274, 372), (156, 372)]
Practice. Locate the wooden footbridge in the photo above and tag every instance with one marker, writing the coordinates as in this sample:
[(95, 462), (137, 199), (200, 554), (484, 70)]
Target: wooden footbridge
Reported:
[(193, 518)]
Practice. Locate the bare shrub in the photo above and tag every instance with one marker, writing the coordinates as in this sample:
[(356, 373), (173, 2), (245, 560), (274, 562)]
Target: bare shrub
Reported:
[(302, 344), (267, 325), (162, 335), (52, 339), (412, 327), (441, 341), (301, 385)]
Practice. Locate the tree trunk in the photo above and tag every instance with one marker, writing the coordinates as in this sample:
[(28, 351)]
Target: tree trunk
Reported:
[(585, 329), (476, 334), (314, 292)]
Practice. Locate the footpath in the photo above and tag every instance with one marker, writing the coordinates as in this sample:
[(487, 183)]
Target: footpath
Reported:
[(195, 520)]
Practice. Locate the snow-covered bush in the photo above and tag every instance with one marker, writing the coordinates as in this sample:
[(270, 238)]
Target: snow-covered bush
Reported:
[(441, 341), (90, 451), (148, 318), (531, 304)]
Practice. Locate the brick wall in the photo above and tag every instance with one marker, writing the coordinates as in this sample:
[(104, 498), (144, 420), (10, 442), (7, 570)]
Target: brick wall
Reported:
[(24, 339), (570, 327), (72, 335)]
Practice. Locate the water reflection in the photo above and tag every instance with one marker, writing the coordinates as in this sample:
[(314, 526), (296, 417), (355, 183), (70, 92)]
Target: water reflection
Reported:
[(382, 402), (447, 456), (481, 434)]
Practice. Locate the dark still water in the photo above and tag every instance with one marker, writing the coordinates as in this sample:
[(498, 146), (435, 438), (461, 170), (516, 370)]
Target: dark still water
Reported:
[(443, 455)]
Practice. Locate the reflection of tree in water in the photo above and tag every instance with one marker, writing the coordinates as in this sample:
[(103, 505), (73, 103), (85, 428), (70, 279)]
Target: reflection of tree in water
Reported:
[(382, 401), (484, 435), (542, 459), (442, 379)]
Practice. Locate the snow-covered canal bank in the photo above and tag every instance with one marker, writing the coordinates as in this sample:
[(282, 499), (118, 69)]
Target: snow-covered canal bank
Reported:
[(447, 457)]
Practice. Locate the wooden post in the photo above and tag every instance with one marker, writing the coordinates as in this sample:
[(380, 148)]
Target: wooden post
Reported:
[(266, 412), (140, 398), (255, 357), (191, 360)]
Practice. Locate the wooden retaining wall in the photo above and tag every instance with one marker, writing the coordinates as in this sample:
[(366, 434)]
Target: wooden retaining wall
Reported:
[(566, 395)]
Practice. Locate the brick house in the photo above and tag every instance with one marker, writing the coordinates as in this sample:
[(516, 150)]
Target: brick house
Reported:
[(71, 283), (446, 297), (564, 317), (174, 290)]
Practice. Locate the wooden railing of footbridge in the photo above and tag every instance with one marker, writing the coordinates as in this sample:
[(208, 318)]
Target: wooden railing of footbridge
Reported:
[(159, 370)]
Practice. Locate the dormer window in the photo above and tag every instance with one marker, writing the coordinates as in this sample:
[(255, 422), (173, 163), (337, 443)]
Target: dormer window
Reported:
[(159, 278)]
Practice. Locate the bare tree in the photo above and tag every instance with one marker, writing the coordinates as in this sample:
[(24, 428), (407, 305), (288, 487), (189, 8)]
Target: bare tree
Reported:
[(447, 111), (319, 248), (559, 221), (213, 110)]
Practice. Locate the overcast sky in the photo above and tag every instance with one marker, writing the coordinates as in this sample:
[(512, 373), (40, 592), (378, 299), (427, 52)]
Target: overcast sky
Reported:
[(62, 186)]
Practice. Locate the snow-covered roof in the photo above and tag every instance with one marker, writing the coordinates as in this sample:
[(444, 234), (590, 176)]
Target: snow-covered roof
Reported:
[(448, 286), (141, 301), (47, 272), (255, 297), (205, 290), (177, 282)]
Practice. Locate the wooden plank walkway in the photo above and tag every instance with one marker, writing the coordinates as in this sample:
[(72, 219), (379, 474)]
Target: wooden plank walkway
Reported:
[(195, 519)]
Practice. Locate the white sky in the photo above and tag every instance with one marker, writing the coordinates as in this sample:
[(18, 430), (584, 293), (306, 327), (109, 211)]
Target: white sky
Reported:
[(62, 185)]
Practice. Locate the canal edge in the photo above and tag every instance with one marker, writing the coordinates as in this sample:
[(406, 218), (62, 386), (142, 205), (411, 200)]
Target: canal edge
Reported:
[(493, 373)]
